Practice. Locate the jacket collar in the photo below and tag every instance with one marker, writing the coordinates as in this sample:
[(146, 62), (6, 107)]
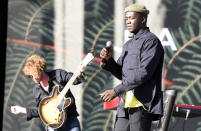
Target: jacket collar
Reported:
[(140, 32), (51, 74)]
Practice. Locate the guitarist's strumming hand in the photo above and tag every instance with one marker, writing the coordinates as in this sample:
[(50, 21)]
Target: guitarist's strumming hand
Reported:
[(18, 110), (82, 71), (82, 67), (108, 95)]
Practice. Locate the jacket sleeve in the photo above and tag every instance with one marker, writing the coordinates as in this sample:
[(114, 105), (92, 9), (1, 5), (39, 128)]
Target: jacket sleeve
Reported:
[(66, 76), (151, 53), (33, 112), (114, 68)]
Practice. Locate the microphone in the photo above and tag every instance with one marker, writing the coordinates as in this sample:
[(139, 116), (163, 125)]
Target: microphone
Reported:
[(108, 45)]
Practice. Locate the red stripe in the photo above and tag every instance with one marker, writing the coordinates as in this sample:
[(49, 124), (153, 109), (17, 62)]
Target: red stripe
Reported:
[(96, 59), (187, 106), (167, 82)]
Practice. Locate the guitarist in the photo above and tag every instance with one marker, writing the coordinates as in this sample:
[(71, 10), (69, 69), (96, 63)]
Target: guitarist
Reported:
[(35, 69)]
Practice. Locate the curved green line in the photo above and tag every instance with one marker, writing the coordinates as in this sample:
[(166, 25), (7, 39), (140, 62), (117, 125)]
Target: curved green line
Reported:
[(92, 50), (181, 49), (15, 79), (90, 79), (99, 33), (189, 10), (108, 121), (34, 16), (188, 88)]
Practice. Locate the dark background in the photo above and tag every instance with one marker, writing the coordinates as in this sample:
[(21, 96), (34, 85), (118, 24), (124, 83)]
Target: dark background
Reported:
[(3, 30)]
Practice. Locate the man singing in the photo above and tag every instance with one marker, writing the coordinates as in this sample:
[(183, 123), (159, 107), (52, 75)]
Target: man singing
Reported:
[(140, 70)]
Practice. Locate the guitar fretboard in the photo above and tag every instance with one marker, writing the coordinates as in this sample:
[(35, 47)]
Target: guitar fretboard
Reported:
[(68, 85)]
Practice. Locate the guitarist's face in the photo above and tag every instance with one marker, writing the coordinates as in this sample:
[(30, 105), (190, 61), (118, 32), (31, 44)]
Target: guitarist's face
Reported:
[(35, 78)]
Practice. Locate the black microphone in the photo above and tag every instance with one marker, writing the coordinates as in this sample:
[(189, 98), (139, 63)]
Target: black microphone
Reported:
[(108, 45)]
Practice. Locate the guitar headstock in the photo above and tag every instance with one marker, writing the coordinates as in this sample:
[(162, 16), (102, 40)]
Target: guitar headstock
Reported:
[(87, 59)]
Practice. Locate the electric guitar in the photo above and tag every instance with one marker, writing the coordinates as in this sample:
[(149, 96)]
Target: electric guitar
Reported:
[(51, 108)]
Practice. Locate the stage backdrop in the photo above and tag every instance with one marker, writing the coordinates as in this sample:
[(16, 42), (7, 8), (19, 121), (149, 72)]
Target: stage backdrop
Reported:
[(64, 31), (182, 67)]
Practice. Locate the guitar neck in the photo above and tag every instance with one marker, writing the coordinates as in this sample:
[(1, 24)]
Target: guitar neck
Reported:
[(84, 63), (68, 85)]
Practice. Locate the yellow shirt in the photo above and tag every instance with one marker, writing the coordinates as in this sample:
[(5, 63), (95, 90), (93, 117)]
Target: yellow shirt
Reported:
[(131, 100)]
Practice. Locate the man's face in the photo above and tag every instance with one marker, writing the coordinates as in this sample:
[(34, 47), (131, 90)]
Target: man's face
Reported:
[(133, 22), (35, 78)]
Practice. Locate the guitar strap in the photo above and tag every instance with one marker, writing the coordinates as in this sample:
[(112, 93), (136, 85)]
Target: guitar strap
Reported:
[(56, 83)]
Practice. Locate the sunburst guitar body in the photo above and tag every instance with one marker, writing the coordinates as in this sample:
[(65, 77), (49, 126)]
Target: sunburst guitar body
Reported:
[(52, 109)]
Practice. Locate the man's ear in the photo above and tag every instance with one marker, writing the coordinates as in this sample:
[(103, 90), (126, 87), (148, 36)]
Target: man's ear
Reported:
[(144, 20)]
